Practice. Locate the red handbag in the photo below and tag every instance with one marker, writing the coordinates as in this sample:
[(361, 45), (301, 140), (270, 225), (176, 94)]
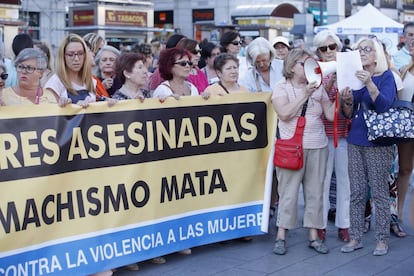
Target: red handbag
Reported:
[(289, 152)]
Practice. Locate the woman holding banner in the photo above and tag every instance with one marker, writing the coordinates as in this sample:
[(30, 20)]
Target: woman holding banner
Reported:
[(327, 45), (73, 81), (227, 68), (175, 66), (30, 65), (133, 74), (290, 97)]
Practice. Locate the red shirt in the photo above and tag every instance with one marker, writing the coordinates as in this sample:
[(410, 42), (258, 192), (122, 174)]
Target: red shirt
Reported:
[(343, 123)]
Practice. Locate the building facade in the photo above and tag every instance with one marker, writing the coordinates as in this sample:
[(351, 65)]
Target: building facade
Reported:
[(137, 20)]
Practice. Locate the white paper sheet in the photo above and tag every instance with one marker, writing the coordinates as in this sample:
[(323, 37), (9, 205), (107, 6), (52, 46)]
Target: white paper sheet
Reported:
[(347, 64)]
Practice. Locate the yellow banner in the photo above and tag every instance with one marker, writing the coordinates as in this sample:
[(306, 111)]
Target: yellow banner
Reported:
[(87, 189)]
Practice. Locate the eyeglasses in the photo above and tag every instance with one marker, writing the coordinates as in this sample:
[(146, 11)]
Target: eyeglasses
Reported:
[(72, 55), (4, 76), (366, 49), (28, 69), (236, 42), (184, 63), (330, 46), (195, 52)]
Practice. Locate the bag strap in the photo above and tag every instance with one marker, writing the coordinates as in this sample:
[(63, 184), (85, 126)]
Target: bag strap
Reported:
[(225, 89), (256, 78), (168, 87), (300, 125), (405, 104)]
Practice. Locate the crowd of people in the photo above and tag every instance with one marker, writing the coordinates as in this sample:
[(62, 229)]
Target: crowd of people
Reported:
[(88, 70)]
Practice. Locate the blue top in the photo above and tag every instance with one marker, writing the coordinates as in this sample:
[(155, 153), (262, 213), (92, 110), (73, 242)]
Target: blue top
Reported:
[(358, 135), (401, 58)]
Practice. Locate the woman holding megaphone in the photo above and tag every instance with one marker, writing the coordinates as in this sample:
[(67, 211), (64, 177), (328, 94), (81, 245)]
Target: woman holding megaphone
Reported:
[(327, 45), (291, 98)]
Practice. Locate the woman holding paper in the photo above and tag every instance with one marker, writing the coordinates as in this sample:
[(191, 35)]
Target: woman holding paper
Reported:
[(327, 45), (289, 98), (371, 162)]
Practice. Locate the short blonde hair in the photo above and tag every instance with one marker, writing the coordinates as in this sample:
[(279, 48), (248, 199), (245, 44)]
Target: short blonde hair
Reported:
[(291, 59), (380, 58)]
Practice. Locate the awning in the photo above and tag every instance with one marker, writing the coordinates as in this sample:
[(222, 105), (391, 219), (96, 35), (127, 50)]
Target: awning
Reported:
[(117, 29), (286, 10), (253, 10), (298, 30)]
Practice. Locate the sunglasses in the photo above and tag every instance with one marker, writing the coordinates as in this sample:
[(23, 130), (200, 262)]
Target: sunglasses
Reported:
[(236, 42), (184, 63), (195, 52), (366, 49), (330, 46), (4, 76)]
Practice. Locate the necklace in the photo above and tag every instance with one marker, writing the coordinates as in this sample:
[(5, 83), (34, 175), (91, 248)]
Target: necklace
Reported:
[(180, 89), (124, 89), (33, 98)]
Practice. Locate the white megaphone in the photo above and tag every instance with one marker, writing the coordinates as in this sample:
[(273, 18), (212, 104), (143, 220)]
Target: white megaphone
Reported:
[(315, 70)]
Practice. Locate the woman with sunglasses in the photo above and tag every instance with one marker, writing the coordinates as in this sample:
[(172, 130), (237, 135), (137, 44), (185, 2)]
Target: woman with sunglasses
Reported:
[(196, 77), (369, 163), (327, 45), (175, 66), (3, 76), (231, 43), (30, 65)]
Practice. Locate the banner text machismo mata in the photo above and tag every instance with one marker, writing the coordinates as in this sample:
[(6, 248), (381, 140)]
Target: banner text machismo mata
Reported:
[(85, 190)]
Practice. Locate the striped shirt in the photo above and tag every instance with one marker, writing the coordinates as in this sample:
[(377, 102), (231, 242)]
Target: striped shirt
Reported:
[(343, 123), (314, 136)]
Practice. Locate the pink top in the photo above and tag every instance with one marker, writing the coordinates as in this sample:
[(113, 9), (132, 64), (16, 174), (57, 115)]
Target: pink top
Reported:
[(199, 80), (314, 136)]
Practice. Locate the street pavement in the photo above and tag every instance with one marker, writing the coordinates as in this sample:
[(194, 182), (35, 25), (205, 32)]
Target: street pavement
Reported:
[(256, 258)]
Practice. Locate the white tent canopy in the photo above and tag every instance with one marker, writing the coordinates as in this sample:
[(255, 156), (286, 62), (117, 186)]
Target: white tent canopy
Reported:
[(368, 20)]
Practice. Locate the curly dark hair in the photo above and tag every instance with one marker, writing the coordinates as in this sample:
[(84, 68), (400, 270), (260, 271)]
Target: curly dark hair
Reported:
[(167, 60)]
